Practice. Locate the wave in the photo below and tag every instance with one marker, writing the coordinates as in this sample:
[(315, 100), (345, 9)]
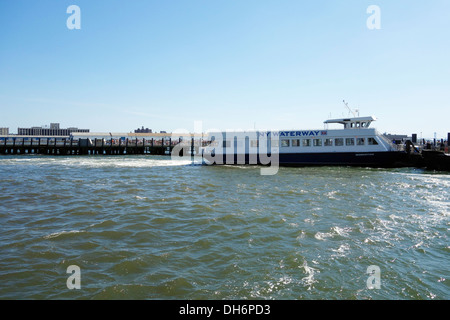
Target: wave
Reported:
[(101, 161), (61, 233)]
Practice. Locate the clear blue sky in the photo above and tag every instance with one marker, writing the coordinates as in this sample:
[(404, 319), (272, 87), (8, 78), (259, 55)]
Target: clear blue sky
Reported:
[(229, 63)]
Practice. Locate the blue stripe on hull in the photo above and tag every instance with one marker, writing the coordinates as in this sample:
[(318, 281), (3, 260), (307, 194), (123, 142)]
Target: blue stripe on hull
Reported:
[(369, 159)]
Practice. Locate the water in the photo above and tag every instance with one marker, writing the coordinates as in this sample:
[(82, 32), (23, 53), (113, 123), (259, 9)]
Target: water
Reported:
[(145, 227)]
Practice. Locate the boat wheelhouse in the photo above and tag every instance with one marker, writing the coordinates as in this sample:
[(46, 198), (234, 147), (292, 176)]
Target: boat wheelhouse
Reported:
[(357, 144)]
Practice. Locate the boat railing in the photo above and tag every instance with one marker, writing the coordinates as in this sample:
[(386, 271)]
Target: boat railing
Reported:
[(393, 146)]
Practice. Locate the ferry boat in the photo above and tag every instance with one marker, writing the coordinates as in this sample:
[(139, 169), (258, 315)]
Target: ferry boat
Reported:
[(356, 144)]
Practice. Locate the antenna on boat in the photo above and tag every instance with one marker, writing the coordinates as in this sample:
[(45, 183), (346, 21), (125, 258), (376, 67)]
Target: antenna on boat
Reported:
[(354, 113)]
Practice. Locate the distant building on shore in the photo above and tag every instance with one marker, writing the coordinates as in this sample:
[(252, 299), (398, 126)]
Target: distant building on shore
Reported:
[(4, 131), (142, 130), (53, 130)]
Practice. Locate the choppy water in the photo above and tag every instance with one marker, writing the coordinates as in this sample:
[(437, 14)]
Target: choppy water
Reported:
[(145, 227)]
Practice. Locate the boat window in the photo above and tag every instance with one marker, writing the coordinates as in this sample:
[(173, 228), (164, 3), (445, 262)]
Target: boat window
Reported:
[(226, 144), (349, 141), (254, 143), (306, 142), (317, 142), (284, 143), (296, 143), (360, 141), (339, 142), (328, 142), (372, 141)]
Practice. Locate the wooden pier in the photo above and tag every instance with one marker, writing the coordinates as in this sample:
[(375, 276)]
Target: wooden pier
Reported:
[(67, 146)]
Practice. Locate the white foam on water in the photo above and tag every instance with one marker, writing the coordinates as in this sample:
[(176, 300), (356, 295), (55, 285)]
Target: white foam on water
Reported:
[(309, 279), (322, 235), (342, 251), (344, 232), (57, 234), (97, 161)]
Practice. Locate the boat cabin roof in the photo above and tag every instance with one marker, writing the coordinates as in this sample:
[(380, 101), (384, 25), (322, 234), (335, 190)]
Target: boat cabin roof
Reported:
[(350, 123)]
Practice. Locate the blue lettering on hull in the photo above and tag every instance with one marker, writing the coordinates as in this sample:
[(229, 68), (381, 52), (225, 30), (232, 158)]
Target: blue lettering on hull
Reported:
[(298, 133)]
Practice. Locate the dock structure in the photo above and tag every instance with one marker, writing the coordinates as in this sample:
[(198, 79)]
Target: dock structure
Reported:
[(102, 144)]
